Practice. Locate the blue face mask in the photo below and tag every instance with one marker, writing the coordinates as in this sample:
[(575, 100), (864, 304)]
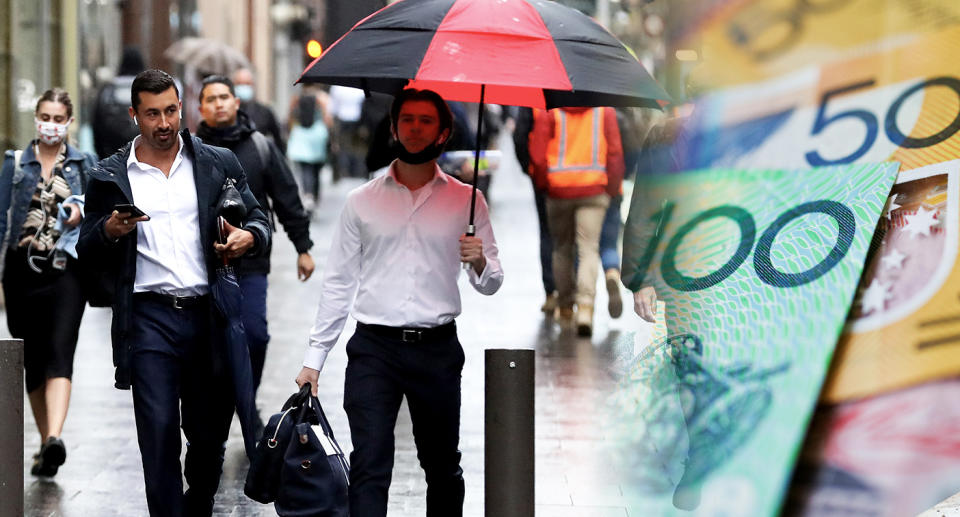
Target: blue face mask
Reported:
[(243, 92)]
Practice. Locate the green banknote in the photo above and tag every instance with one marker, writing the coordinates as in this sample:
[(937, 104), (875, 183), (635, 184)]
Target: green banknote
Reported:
[(758, 270)]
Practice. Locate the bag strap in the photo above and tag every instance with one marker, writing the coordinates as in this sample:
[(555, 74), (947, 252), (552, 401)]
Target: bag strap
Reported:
[(263, 148)]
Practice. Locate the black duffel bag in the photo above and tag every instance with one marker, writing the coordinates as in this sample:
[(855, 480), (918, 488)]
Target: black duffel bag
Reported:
[(298, 464)]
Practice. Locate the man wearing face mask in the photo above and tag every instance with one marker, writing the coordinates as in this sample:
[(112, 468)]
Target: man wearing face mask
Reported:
[(271, 181), (260, 114), (394, 263)]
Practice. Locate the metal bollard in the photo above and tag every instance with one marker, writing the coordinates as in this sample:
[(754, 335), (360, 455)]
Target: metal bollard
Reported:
[(509, 438), (11, 431)]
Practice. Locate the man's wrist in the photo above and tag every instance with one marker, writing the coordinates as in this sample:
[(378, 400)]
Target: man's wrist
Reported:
[(480, 265), (106, 235)]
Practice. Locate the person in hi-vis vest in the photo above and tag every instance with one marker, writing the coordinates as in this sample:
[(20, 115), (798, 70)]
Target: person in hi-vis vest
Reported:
[(577, 158)]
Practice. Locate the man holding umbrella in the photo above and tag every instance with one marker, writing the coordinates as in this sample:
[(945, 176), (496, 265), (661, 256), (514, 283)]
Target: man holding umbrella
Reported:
[(394, 263), (167, 338)]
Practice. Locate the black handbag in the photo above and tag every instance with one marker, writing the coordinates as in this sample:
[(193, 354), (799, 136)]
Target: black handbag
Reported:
[(298, 464), (230, 203)]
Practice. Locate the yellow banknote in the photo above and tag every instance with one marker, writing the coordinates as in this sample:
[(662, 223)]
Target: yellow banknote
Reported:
[(904, 327), (901, 103), (747, 41)]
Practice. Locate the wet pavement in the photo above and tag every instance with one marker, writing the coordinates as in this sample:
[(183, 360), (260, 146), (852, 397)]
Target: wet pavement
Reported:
[(102, 476)]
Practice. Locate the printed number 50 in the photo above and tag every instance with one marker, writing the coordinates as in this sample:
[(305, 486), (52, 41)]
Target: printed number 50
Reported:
[(762, 262), (870, 121)]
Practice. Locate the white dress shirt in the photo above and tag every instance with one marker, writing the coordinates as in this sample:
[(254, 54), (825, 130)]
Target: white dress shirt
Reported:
[(397, 253), (169, 254)]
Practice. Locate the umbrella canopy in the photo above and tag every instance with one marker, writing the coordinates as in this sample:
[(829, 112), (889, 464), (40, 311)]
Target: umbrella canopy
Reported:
[(533, 53), (208, 55), (228, 299)]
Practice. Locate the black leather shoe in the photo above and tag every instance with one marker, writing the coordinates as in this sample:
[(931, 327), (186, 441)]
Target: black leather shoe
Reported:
[(52, 455), (37, 462)]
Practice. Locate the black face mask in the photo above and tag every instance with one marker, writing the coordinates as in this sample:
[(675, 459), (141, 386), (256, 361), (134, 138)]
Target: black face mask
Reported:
[(430, 152)]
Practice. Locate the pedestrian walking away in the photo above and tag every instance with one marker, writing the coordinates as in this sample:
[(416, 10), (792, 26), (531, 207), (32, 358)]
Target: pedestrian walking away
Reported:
[(576, 158), (167, 336), (348, 142), (309, 138), (394, 263), (112, 127), (260, 114), (521, 146), (41, 203), (270, 180)]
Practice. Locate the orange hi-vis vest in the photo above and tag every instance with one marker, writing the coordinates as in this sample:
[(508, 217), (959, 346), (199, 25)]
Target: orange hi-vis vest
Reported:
[(577, 153)]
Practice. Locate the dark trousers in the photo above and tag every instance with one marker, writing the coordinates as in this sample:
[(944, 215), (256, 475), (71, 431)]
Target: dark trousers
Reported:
[(380, 372), (254, 315), (44, 310), (310, 178), (174, 385), (546, 243)]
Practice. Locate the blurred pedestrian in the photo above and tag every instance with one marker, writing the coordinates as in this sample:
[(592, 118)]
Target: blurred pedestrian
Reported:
[(396, 251), (523, 125), (224, 124), (167, 334), (630, 141), (610, 255), (375, 130), (576, 157), (309, 140), (39, 205), (112, 126), (349, 146), (261, 116)]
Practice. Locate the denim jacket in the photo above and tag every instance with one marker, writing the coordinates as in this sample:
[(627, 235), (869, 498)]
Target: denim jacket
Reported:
[(17, 186)]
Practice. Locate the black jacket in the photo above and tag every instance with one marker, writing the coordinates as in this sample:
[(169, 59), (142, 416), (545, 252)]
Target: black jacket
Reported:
[(108, 185), (272, 183)]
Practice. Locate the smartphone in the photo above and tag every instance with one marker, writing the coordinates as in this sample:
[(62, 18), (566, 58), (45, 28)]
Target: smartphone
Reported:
[(221, 230), (130, 209)]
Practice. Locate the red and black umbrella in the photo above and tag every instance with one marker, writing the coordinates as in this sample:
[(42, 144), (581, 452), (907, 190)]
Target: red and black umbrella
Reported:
[(534, 53)]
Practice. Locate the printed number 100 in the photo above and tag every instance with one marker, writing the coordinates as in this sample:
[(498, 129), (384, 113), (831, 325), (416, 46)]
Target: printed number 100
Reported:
[(762, 262)]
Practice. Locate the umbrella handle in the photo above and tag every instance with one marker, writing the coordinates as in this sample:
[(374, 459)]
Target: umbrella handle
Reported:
[(471, 231), (221, 237)]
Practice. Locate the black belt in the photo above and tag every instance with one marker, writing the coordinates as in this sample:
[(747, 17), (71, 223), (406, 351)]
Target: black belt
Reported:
[(410, 334), (177, 302)]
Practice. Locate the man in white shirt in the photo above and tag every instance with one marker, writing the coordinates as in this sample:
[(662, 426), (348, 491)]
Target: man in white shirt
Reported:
[(165, 328), (394, 260)]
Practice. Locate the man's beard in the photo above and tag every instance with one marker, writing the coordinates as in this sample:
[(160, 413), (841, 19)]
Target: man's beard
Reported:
[(160, 144)]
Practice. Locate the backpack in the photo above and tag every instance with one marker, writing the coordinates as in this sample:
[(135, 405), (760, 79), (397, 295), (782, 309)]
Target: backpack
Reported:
[(112, 126), (306, 110), (262, 146)]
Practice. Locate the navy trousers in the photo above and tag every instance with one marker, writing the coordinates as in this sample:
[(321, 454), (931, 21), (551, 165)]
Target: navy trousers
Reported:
[(610, 235), (380, 372), (174, 385), (546, 243), (254, 315)]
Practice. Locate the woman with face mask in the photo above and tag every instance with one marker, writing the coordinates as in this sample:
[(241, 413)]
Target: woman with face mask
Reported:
[(41, 285)]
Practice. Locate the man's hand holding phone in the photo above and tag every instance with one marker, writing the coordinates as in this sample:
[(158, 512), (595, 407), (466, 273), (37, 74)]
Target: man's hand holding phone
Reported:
[(123, 220), (234, 241)]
